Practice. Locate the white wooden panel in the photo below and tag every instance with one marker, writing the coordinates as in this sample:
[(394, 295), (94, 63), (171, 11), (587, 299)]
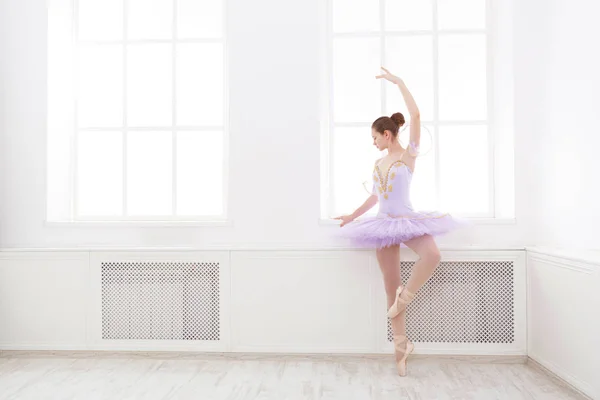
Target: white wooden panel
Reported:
[(43, 300), (295, 301)]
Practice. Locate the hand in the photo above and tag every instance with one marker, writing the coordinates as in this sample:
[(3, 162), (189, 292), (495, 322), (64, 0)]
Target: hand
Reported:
[(389, 76), (346, 219)]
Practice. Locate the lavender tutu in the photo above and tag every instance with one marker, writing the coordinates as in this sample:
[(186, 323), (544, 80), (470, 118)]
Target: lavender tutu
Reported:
[(396, 221)]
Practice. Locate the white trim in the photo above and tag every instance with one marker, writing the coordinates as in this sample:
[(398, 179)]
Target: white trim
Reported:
[(492, 202), (382, 58), (125, 108), (584, 267), (466, 349), (501, 253), (429, 122), (152, 218), (474, 220), (293, 349), (387, 33), (74, 153), (174, 185), (154, 129), (19, 352), (226, 113), (174, 133), (591, 257), (44, 254), (560, 375), (142, 223), (330, 117), (528, 304), (435, 48), (148, 41)]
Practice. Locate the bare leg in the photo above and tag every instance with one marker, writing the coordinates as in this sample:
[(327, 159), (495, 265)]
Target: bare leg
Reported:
[(389, 262), (429, 258)]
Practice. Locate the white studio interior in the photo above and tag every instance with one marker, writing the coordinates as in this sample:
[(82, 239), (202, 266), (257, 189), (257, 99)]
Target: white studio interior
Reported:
[(170, 171)]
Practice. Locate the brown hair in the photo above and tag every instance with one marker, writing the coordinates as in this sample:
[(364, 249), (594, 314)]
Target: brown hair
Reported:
[(391, 124)]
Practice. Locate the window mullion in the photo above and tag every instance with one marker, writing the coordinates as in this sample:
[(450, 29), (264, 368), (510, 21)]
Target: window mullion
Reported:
[(489, 115), (174, 109), (382, 58), (436, 105), (74, 187), (125, 122), (330, 176)]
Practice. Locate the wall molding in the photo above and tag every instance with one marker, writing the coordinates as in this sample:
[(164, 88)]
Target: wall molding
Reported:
[(561, 377), (565, 263)]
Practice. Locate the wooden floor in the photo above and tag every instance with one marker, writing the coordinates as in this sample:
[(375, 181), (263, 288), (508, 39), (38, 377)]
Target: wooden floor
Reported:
[(118, 376)]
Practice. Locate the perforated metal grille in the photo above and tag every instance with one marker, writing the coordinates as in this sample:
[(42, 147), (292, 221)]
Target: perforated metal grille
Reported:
[(463, 302), (160, 300)]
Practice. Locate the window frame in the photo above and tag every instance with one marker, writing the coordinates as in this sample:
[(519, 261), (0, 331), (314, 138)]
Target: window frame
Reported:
[(328, 136), (174, 128)]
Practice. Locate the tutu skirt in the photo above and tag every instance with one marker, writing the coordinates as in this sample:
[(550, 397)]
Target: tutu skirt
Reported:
[(384, 230)]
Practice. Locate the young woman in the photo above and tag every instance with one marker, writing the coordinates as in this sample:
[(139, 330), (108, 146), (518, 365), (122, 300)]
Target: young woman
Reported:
[(396, 221)]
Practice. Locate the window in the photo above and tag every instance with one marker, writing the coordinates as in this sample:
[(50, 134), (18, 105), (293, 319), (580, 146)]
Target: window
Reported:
[(442, 51), (136, 110)]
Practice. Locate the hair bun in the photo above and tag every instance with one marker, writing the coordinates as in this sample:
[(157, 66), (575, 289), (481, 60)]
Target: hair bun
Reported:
[(398, 118)]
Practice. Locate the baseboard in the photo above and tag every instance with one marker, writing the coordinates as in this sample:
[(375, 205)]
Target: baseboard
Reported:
[(483, 359), (561, 378)]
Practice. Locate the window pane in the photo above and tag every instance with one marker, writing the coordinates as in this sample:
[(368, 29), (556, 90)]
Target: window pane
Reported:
[(100, 174), (463, 77), (354, 156), (150, 19), (357, 94), (417, 74), (423, 187), (200, 173), (199, 18), (355, 15), (464, 169), (149, 173), (200, 84), (461, 14), (149, 85), (100, 86), (406, 15), (100, 20)]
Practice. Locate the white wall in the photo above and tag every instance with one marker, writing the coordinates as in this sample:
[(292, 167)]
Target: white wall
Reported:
[(274, 148), (530, 40), (568, 126), (3, 37)]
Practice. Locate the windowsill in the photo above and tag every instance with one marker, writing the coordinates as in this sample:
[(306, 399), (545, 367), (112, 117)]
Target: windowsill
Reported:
[(140, 224), (475, 221)]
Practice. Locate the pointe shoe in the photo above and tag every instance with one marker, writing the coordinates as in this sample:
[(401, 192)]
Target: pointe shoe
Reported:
[(400, 303), (405, 346)]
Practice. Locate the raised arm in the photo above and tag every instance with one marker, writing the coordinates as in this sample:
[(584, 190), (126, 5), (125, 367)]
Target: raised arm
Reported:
[(411, 105)]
